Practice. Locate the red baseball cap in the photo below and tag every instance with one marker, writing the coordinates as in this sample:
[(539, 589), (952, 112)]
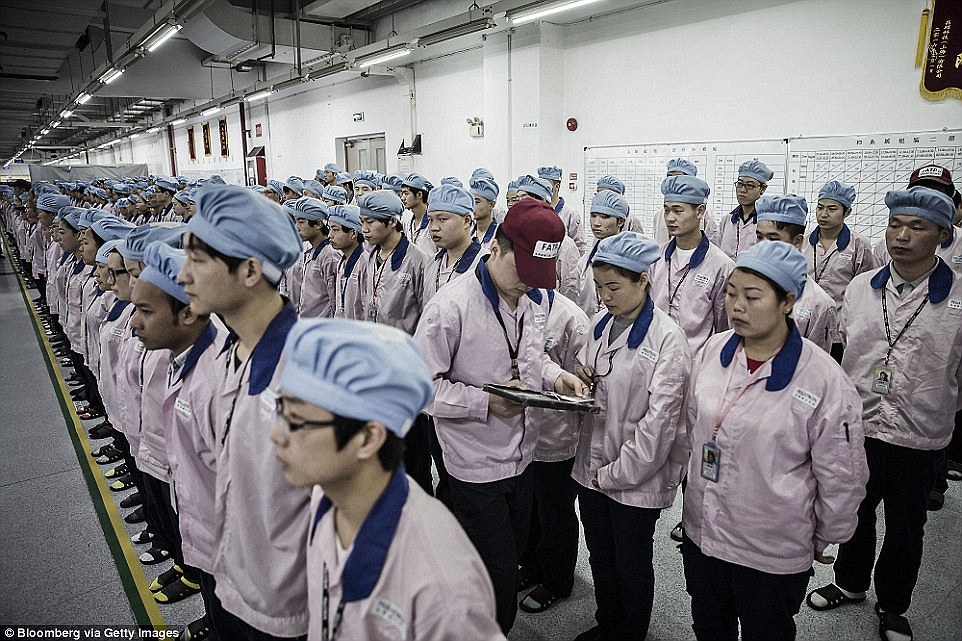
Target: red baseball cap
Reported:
[(536, 232), (935, 176)]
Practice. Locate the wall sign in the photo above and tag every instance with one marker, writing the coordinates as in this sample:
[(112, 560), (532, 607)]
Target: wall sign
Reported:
[(942, 68), (222, 130), (191, 146), (205, 128), (258, 132)]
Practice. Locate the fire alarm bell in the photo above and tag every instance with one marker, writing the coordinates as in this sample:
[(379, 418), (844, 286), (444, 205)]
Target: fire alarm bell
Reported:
[(572, 124)]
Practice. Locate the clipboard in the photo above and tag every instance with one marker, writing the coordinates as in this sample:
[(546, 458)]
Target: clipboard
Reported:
[(548, 400)]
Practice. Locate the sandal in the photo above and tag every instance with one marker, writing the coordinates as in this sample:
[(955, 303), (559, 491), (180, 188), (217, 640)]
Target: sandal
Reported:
[(122, 484), (538, 600), (143, 537), (677, 533), (833, 596), (953, 471), (197, 630), (176, 591), (889, 622), (166, 578), (154, 555)]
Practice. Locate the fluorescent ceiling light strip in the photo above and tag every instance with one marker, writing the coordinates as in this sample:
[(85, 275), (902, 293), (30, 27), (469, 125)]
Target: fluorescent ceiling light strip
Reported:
[(83, 98), (66, 113), (165, 36), (455, 32), (210, 112), (110, 76), (537, 14), (384, 56), (55, 125), (179, 121), (258, 95)]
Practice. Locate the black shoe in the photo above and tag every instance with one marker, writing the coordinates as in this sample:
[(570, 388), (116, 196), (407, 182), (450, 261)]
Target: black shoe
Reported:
[(137, 516), (79, 394), (103, 450), (936, 501), (177, 591), (168, 576), (122, 484), (154, 555), (110, 456), (594, 634), (132, 500), (143, 537), (116, 472), (198, 630), (101, 430)]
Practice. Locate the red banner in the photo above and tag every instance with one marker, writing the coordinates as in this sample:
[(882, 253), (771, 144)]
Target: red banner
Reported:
[(206, 129), (191, 147), (942, 69), (222, 130)]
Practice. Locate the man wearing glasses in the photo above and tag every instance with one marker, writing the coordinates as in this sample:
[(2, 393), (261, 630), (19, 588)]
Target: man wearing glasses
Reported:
[(736, 232)]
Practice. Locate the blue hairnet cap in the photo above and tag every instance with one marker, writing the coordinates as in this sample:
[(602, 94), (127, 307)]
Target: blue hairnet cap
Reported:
[(149, 191), (90, 216), (481, 172), (613, 184), (105, 250), (134, 198), (685, 189), (452, 180), (123, 203), (343, 178), (550, 173), (756, 169), (331, 167), (394, 182), (314, 187), (53, 202), (162, 263), (44, 188), (168, 184), (451, 198), (215, 179), (358, 370), (921, 202), (137, 240), (417, 181), (99, 193), (683, 165), (182, 196), (112, 228), (276, 186), (512, 186), (537, 187), (365, 177), (71, 215), (380, 204), (790, 209), (629, 250), (335, 193), (347, 216), (609, 203), (295, 184), (192, 194), (310, 208), (839, 192), (122, 189), (779, 262), (485, 188), (241, 224)]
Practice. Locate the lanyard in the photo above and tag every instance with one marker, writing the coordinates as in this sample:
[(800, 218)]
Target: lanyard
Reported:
[(595, 377), (512, 351), (454, 270), (328, 633), (233, 403), (819, 274), (723, 408), (380, 271), (415, 233), (888, 330), (672, 294)]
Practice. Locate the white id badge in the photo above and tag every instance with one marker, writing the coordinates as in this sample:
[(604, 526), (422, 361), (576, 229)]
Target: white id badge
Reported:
[(710, 461), (882, 378), (372, 313)]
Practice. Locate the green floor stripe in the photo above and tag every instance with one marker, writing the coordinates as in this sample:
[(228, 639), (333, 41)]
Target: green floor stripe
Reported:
[(145, 609)]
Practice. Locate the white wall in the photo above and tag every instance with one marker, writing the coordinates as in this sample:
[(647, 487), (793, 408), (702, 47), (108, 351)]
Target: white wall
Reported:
[(230, 168)]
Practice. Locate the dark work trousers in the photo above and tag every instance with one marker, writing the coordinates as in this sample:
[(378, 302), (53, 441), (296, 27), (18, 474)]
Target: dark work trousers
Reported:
[(417, 452), (42, 288), (441, 491), (620, 539), (91, 391), (496, 517), (724, 594), (227, 627), (156, 495), (211, 602), (837, 351), (191, 573), (552, 550), (952, 453), (901, 478)]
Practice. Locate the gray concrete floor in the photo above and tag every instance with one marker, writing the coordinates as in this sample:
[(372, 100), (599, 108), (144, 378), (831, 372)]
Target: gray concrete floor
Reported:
[(55, 566)]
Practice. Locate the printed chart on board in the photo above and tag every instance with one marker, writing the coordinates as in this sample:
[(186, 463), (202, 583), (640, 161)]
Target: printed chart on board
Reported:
[(874, 164), (643, 167)]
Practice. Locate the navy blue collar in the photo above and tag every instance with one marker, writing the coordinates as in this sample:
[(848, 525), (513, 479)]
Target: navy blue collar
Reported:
[(352, 260), (488, 235), (696, 258), (267, 352), (116, 310), (491, 292), (66, 256), (79, 267), (639, 328), (737, 215), (320, 247), (948, 241), (400, 251), (784, 363), (424, 221), (844, 237), (205, 340), (591, 257), (373, 541), (560, 205), (467, 258), (940, 280)]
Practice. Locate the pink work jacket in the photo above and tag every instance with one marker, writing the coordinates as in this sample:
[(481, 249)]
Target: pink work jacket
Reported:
[(573, 226), (834, 269), (815, 316), (417, 232), (93, 320), (151, 452), (347, 286), (52, 257), (113, 332), (392, 292), (317, 288), (73, 322), (734, 234), (437, 274)]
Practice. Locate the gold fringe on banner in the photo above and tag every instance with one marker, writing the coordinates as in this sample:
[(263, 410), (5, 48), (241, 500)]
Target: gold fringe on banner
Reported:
[(923, 37)]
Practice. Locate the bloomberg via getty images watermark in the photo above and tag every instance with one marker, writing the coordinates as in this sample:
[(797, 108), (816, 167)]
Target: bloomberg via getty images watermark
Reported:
[(123, 633)]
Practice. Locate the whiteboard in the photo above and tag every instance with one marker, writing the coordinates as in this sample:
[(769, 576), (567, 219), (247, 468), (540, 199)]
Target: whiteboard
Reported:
[(873, 163), (643, 167)]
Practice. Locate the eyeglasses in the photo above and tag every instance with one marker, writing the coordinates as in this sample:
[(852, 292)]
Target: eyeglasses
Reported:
[(305, 425), (746, 186), (112, 274)]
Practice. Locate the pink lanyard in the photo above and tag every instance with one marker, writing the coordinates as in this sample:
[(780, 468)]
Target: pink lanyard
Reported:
[(724, 409)]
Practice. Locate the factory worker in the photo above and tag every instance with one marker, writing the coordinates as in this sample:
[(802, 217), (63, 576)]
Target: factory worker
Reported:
[(165, 189), (275, 191), (485, 193), (112, 335), (319, 261), (53, 256), (450, 222), (101, 300), (569, 216), (568, 254), (611, 183), (684, 167), (313, 188), (548, 562), (293, 188), (777, 466), (902, 329), (609, 215), (394, 182), (835, 253), (238, 246), (47, 207), (365, 181), (345, 181), (375, 537), (344, 222), (334, 195), (497, 211), (688, 283), (415, 190), (736, 232), (487, 448), (631, 456), (328, 174), (180, 205), (783, 218), (512, 194)]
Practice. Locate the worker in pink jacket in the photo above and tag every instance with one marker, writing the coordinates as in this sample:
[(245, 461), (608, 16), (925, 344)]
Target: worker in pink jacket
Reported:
[(609, 216), (631, 456), (490, 328), (238, 245), (684, 167), (384, 559), (902, 327), (736, 231), (777, 463), (345, 225)]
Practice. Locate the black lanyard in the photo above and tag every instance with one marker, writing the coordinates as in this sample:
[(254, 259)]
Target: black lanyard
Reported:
[(328, 633), (672, 294), (888, 330), (512, 351), (233, 403), (819, 274)]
